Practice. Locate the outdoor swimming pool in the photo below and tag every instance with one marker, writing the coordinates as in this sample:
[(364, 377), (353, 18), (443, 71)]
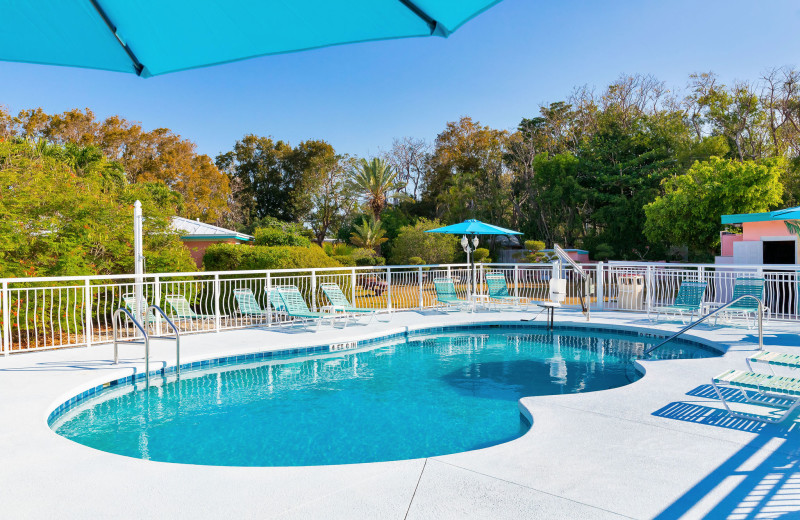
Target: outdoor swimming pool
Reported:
[(420, 396)]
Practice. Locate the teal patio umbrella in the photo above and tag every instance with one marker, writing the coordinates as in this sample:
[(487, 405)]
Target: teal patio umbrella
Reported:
[(469, 231), (151, 37)]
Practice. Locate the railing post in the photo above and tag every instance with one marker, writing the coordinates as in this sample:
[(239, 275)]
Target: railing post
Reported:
[(389, 288), (516, 282), (421, 301), (157, 301), (269, 295), (648, 287), (599, 289), (314, 290), (6, 303), (353, 287), (87, 313), (217, 313)]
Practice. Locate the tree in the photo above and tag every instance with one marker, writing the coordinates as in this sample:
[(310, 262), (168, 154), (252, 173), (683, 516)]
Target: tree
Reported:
[(369, 234), (413, 242), (377, 182), (409, 157), (71, 213), (468, 176), (689, 211), (332, 197)]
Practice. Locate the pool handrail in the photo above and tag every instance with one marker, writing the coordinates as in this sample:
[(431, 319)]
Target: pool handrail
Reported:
[(146, 340), (703, 318)]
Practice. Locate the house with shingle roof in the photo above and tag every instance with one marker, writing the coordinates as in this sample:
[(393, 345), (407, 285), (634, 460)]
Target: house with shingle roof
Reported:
[(197, 236)]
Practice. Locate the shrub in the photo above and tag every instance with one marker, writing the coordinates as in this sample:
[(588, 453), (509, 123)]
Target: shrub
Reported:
[(366, 257), (345, 260), (415, 260), (233, 257), (432, 248), (274, 236), (481, 254)]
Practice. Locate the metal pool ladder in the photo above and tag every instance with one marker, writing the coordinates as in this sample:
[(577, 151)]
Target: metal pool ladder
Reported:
[(760, 318), (146, 340)]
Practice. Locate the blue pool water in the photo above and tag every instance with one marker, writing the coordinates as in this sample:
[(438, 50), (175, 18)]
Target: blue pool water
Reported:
[(422, 396)]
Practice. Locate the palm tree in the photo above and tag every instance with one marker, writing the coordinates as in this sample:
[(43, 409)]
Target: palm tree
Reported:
[(369, 234), (377, 181)]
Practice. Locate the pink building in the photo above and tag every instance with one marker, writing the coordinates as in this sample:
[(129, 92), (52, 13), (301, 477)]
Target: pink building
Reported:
[(766, 238)]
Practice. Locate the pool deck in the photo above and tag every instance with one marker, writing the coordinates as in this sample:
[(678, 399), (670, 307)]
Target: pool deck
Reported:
[(661, 447)]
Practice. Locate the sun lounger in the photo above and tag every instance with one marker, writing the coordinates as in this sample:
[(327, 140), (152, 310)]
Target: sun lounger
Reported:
[(786, 389), (774, 359), (446, 293), (748, 307), (688, 301), (183, 309), (130, 302), (338, 302), (247, 305), (498, 291), (296, 307)]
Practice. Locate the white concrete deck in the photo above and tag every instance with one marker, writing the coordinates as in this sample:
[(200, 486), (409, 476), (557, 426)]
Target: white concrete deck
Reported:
[(658, 448)]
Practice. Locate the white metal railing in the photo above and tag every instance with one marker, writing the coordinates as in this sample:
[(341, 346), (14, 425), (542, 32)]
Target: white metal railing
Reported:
[(56, 312)]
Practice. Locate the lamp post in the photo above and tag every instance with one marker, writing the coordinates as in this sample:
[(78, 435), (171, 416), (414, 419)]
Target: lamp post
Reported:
[(469, 247)]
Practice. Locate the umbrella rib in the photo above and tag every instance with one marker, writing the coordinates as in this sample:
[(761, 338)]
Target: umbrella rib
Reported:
[(137, 65), (432, 24)]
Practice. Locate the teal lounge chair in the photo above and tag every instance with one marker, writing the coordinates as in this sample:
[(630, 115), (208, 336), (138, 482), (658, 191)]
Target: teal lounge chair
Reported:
[(745, 308), (247, 304), (786, 389), (688, 301), (183, 309), (446, 293), (296, 307), (774, 359), (498, 291), (130, 302), (339, 302)]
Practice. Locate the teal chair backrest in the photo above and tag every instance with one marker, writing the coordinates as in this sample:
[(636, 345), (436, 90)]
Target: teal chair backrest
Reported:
[(247, 302), (498, 288), (335, 295), (751, 287), (445, 288), (130, 303), (292, 299), (276, 301), (180, 306), (690, 294)]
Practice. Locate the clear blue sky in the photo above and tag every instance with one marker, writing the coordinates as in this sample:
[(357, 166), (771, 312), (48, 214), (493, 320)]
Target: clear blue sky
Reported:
[(497, 68)]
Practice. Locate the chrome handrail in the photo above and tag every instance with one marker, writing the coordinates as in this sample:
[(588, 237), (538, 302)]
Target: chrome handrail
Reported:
[(146, 341), (694, 324), (177, 337)]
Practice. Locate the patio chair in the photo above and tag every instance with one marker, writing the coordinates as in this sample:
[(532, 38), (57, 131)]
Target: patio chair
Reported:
[(247, 305), (786, 389), (688, 301), (446, 293), (129, 299), (183, 309), (774, 359), (339, 302), (748, 307), (296, 307), (498, 291)]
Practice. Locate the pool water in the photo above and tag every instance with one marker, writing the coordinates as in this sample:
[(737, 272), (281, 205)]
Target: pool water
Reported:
[(424, 396)]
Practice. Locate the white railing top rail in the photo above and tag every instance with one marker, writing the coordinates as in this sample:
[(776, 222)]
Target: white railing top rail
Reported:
[(730, 267)]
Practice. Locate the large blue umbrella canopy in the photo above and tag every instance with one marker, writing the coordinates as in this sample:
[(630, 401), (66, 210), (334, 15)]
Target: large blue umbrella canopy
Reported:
[(150, 37), (474, 227)]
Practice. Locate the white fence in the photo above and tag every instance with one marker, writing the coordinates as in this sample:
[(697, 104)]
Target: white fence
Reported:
[(45, 313)]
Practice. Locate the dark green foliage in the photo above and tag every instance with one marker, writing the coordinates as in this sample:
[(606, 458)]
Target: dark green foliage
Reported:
[(235, 257)]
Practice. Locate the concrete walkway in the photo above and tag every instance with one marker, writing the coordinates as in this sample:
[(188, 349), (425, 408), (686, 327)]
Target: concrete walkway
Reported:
[(658, 448)]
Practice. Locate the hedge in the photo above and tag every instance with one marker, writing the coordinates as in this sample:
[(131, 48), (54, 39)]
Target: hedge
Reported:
[(233, 257)]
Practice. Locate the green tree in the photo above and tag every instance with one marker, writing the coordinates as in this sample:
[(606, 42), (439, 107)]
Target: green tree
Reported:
[(369, 234), (377, 182), (689, 211), (69, 211), (433, 248)]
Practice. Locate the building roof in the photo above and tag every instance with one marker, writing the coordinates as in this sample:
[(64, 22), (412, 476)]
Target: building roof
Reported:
[(196, 230), (781, 214)]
